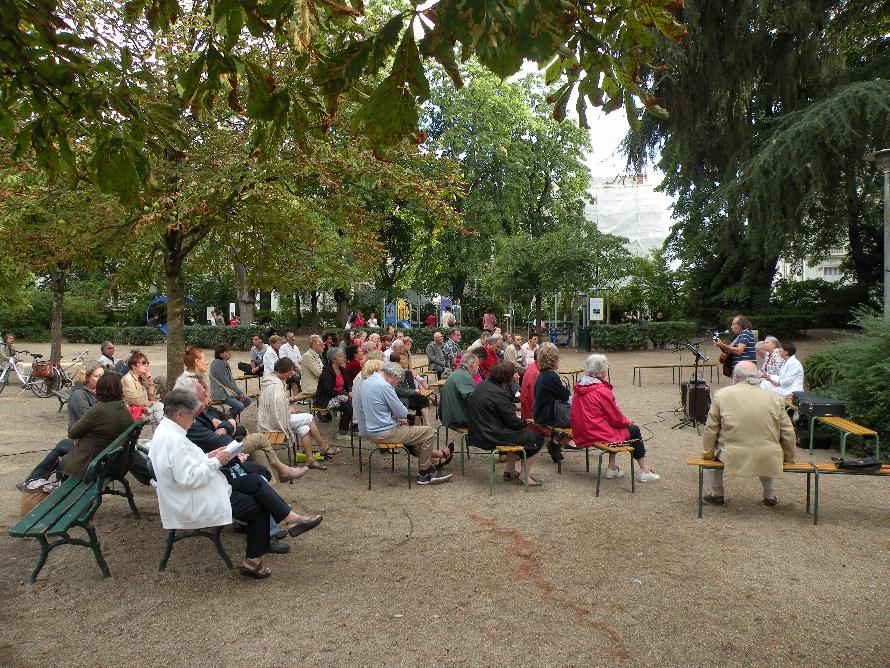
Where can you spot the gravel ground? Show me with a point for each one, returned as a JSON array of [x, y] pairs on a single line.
[[446, 575]]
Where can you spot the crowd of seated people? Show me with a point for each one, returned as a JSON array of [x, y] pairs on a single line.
[[369, 383]]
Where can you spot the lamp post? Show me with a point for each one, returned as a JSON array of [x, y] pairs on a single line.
[[882, 161]]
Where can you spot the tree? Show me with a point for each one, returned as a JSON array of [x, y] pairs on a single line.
[[789, 95], [57, 230], [55, 92]]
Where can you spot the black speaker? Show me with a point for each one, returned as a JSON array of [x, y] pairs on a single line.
[[695, 396]]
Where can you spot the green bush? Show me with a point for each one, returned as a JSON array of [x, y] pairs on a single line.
[[237, 337], [671, 332], [857, 370], [617, 337], [127, 336]]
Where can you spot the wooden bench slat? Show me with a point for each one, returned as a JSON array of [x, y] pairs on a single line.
[[71, 499], [847, 425], [275, 437], [22, 528], [796, 467], [832, 469], [74, 514]]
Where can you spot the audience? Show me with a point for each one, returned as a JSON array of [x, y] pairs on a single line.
[[271, 355], [386, 421], [596, 418], [82, 398], [98, 427], [452, 349], [513, 354], [790, 377], [311, 364], [552, 407], [193, 493], [139, 389], [334, 391], [397, 346], [355, 358], [373, 363], [456, 393], [493, 421], [528, 349], [254, 367], [222, 384], [106, 359], [275, 414], [410, 394]]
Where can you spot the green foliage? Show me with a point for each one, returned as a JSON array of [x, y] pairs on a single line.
[[127, 336], [672, 332], [857, 370], [617, 337], [35, 314]]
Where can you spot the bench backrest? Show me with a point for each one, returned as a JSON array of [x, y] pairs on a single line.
[[123, 446]]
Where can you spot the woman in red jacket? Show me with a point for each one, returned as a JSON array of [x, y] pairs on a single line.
[[596, 418]]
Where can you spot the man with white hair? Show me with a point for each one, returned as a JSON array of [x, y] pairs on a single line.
[[435, 355], [311, 365], [386, 421], [397, 346], [452, 348], [749, 431]]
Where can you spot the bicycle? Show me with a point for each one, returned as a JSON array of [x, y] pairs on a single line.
[[42, 386]]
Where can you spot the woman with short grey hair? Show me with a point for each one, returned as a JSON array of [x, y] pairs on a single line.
[[596, 418], [334, 390]]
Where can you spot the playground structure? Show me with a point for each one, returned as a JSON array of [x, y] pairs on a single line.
[[408, 312], [155, 321]]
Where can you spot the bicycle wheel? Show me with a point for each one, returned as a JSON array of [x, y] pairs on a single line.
[[4, 379], [42, 387]]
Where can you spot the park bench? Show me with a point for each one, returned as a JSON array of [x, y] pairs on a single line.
[[831, 469], [847, 428], [675, 369], [808, 468], [62, 395], [74, 503]]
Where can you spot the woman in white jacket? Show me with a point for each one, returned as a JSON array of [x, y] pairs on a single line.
[[194, 494], [790, 377], [274, 414]]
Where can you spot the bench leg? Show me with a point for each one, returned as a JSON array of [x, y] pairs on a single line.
[[816, 501], [494, 455], [701, 485], [633, 478], [130, 500], [370, 454], [168, 548], [812, 424], [408, 466], [877, 447], [97, 550], [525, 468], [41, 559], [359, 454], [843, 443], [587, 459], [217, 543], [808, 492], [599, 471]]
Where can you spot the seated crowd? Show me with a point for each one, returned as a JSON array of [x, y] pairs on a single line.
[[500, 391]]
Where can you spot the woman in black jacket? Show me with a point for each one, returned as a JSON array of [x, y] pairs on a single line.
[[493, 421], [334, 390], [552, 407]]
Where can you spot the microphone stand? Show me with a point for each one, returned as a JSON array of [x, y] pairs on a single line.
[[691, 418]]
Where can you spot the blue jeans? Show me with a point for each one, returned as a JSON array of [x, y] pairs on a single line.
[[237, 405], [50, 463]]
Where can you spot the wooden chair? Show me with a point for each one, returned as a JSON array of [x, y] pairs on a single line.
[[495, 456]]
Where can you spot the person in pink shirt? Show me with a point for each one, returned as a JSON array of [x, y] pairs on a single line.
[[489, 321]]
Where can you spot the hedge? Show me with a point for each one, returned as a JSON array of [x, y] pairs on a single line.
[[127, 336]]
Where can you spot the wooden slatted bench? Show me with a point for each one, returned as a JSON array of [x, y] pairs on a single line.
[[391, 448], [610, 449], [638, 371], [831, 469], [711, 366], [302, 397], [848, 428], [74, 503], [495, 456], [808, 468]]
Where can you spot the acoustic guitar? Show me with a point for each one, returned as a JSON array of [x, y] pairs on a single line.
[[725, 357]]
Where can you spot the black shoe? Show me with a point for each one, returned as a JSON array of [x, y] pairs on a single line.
[[714, 500], [555, 452], [432, 476], [278, 534], [279, 547], [770, 502], [324, 417], [303, 527]]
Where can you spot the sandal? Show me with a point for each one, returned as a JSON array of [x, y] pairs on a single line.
[[446, 460], [532, 482], [316, 465], [303, 526], [255, 570]]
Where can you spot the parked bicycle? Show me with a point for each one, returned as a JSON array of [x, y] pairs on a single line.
[[44, 378]]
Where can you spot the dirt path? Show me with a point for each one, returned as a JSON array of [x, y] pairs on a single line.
[[448, 576]]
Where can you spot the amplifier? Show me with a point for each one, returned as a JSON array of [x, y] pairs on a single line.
[[696, 399], [811, 405]]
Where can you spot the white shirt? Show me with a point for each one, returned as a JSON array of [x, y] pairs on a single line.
[[529, 353], [106, 362], [292, 352], [386, 354], [192, 492], [372, 322], [269, 359], [790, 378]]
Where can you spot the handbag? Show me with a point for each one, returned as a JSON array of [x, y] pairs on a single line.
[[562, 414], [866, 464]]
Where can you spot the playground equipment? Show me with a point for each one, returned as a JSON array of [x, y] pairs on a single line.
[[153, 320]]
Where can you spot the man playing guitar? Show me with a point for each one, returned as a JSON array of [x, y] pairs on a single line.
[[742, 347]]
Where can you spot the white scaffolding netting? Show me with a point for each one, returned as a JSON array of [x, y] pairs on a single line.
[[628, 207]]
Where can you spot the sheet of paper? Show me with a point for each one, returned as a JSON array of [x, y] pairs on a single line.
[[234, 448]]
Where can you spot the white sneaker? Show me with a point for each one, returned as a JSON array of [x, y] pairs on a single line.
[[614, 473], [651, 476]]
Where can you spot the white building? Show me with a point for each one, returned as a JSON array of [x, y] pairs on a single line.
[[828, 269]]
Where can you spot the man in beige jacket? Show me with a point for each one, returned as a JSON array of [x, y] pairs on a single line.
[[749, 431]]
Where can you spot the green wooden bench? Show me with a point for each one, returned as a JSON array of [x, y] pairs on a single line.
[[74, 503]]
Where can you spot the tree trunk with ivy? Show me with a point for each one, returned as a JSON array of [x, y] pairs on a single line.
[[246, 296], [59, 281], [173, 259], [342, 298]]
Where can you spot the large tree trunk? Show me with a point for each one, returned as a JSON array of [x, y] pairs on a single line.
[[342, 298], [58, 280], [313, 309], [246, 296], [173, 275]]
